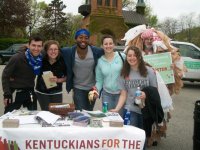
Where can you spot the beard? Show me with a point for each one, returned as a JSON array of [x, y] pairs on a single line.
[[148, 46]]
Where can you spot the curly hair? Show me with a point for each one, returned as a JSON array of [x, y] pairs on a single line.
[[47, 45]]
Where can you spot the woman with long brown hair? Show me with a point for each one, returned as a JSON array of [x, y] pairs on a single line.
[[134, 74]]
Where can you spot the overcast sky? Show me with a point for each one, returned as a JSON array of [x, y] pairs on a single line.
[[161, 8]]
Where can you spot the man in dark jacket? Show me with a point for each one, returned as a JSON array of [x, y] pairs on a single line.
[[19, 76], [81, 60]]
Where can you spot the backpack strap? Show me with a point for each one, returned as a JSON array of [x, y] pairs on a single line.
[[121, 56]]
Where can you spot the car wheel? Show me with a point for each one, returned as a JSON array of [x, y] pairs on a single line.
[[1, 60]]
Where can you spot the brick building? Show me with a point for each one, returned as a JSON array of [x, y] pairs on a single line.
[[107, 17]]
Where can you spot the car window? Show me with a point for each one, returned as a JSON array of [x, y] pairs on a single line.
[[119, 48], [17, 47], [188, 51], [195, 53], [184, 50]]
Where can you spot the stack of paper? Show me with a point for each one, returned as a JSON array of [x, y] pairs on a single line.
[[48, 117], [114, 119]]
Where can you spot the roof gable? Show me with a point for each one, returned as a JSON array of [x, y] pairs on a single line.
[[132, 17]]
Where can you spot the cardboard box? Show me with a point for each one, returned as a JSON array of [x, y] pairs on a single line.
[[10, 123]]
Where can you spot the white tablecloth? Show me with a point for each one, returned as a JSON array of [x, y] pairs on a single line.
[[35, 137]]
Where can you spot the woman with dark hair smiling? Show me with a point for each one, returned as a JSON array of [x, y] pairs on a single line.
[[134, 74], [108, 71]]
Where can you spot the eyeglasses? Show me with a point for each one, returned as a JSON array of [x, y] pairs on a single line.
[[52, 49]]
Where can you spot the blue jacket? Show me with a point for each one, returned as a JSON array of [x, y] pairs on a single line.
[[69, 58]]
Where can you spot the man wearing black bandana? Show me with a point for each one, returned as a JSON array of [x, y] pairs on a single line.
[[81, 60], [19, 76]]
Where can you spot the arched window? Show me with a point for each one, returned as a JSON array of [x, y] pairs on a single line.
[[107, 2], [114, 3], [99, 2]]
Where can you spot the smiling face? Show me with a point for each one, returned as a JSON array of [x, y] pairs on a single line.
[[108, 45], [35, 47], [132, 59], [82, 41], [53, 51]]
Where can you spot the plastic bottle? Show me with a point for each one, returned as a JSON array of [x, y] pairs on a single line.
[[127, 117], [137, 94]]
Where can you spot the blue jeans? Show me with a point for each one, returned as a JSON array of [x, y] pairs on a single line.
[[135, 119], [112, 100], [81, 100]]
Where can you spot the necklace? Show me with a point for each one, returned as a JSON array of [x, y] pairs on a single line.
[[82, 54], [51, 61], [110, 56]]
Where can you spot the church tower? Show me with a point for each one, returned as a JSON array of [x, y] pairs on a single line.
[[140, 7], [103, 17]]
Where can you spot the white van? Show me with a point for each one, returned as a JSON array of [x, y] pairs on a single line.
[[191, 57]]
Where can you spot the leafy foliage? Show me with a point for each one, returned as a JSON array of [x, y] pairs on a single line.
[[151, 19], [185, 28], [6, 42], [35, 15], [128, 4], [13, 14], [55, 22]]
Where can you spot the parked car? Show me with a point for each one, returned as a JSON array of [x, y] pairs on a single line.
[[191, 56], [9, 52], [119, 48]]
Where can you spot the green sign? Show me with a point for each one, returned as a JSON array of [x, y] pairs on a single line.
[[162, 63], [192, 65]]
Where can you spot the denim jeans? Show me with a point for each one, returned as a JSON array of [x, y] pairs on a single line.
[[81, 100], [135, 119], [112, 100]]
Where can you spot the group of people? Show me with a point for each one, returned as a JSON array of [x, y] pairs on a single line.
[[75, 66], [113, 75]]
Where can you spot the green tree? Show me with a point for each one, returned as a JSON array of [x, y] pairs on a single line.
[[36, 15], [13, 15], [152, 20], [169, 26], [55, 21], [73, 24], [129, 4]]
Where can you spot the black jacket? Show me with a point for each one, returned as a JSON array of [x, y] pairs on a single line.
[[20, 72], [58, 69], [152, 112], [153, 108]]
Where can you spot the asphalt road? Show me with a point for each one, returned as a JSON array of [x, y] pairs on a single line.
[[180, 127]]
